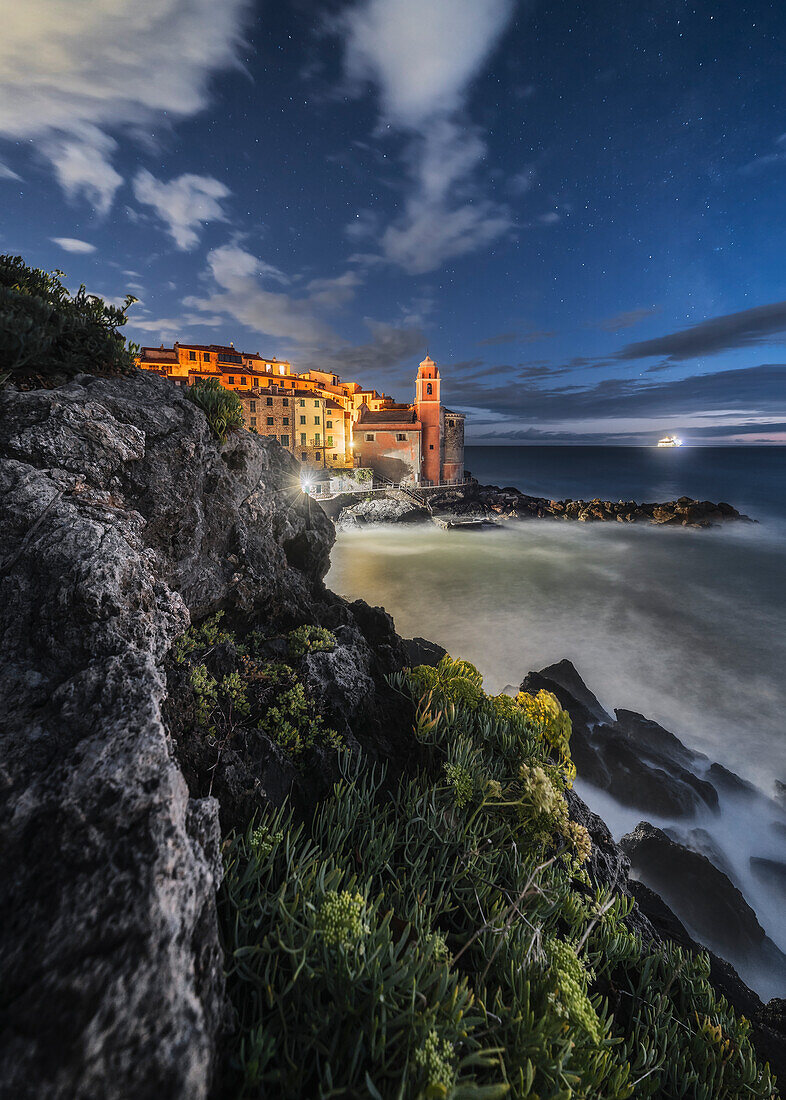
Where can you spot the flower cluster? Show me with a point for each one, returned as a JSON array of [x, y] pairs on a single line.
[[263, 841], [570, 998], [340, 919], [460, 779], [436, 1057], [546, 716]]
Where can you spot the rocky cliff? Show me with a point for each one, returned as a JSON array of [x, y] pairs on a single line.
[[121, 519]]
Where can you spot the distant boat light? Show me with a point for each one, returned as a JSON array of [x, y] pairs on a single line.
[[670, 441]]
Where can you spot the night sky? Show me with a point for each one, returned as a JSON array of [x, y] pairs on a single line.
[[578, 209]]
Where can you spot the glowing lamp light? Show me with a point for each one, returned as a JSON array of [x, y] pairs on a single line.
[[305, 485]]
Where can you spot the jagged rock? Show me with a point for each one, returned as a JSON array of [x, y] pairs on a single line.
[[422, 652], [701, 841], [701, 895], [120, 518], [729, 780], [770, 871], [564, 681], [381, 510], [637, 761]]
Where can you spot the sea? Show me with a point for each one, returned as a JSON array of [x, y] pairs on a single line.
[[685, 626]]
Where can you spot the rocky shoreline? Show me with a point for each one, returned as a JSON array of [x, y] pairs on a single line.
[[490, 505], [123, 521]]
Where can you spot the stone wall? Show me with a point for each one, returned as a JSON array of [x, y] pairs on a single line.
[[453, 461]]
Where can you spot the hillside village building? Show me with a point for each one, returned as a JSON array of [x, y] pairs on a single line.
[[325, 422]]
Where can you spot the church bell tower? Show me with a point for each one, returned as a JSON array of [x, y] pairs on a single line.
[[428, 410]]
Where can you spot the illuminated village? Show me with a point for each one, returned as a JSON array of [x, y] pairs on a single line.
[[327, 424]]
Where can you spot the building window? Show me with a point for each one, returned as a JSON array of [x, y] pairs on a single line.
[[254, 421], [285, 421], [317, 442], [369, 437], [302, 419], [206, 356], [328, 423], [192, 356], [243, 381], [285, 401], [270, 420], [302, 402], [231, 379], [316, 404], [334, 457], [284, 440], [329, 441], [302, 439], [316, 419], [280, 370], [303, 457], [401, 438], [269, 401], [431, 446], [428, 388], [253, 406]]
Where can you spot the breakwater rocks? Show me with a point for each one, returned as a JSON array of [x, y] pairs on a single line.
[[489, 503]]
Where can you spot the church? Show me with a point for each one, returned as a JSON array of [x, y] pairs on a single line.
[[421, 444]]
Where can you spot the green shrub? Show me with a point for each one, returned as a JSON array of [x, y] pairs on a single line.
[[46, 333], [439, 937], [223, 408], [310, 639]]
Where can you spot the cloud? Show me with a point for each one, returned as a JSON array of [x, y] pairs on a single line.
[[421, 59], [738, 393], [7, 174], [551, 218], [336, 292], [389, 347], [500, 338], [72, 74], [421, 56], [182, 204], [732, 330], [626, 319], [71, 244], [241, 291]]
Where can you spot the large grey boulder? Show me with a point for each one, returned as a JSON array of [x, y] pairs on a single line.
[[119, 517]]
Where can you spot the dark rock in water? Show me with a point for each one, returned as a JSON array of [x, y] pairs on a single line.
[[770, 871], [564, 681], [637, 761], [729, 781], [701, 895], [421, 652], [701, 841], [649, 736], [381, 509]]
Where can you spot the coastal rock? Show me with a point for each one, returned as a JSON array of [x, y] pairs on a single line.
[[702, 896], [772, 872], [120, 520], [422, 652], [637, 761], [381, 509]]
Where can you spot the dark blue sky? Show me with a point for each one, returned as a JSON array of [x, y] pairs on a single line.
[[578, 208]]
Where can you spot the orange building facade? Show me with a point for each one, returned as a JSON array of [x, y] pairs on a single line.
[[325, 422]]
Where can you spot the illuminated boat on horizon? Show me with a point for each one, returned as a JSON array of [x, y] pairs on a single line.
[[670, 441]]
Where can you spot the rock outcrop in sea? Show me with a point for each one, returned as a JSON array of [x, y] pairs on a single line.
[[121, 522]]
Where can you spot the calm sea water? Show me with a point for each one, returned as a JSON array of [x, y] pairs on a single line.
[[687, 627]]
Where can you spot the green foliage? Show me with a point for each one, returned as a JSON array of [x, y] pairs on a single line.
[[310, 639], [223, 408], [257, 693], [441, 939], [363, 474], [47, 332], [293, 723]]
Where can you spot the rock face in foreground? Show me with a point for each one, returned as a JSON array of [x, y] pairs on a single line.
[[120, 517]]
